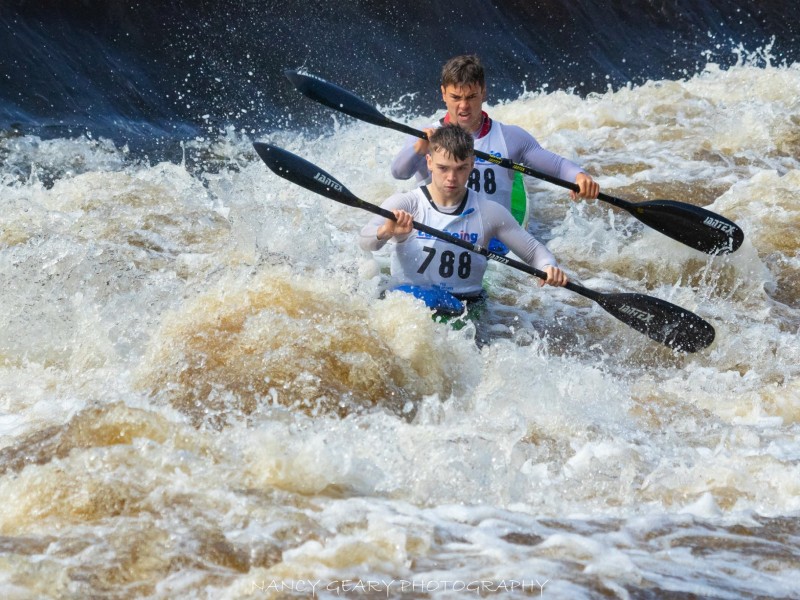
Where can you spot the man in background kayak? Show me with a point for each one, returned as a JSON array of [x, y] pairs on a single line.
[[464, 91], [448, 205]]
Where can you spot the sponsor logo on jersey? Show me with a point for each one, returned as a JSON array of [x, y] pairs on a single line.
[[466, 236]]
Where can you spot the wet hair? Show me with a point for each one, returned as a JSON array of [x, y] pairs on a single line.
[[453, 140], [462, 71]]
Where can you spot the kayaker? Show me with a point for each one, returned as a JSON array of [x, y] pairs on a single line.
[[463, 89], [448, 205]]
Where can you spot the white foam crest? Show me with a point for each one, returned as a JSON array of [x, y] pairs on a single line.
[[30, 158]]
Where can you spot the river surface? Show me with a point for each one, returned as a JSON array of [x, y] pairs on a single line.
[[202, 396]]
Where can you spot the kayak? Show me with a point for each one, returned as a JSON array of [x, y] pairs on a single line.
[[520, 208], [440, 301], [445, 306]]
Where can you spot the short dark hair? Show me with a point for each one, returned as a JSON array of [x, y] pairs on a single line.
[[454, 140], [463, 70]]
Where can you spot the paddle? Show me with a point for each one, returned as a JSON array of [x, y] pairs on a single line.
[[691, 225], [663, 322]]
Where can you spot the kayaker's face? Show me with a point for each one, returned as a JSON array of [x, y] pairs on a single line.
[[464, 104], [449, 176]]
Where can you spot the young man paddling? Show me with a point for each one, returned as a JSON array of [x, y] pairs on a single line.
[[448, 205], [463, 91]]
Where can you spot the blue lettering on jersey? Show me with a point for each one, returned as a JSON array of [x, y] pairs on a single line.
[[461, 235]]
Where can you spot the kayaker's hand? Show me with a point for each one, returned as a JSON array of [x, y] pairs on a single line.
[[555, 277], [401, 228], [421, 146], [589, 188]]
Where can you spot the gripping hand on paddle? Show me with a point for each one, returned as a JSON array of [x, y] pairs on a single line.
[[589, 188], [400, 228], [555, 277], [421, 145]]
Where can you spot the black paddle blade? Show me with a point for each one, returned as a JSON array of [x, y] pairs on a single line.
[[691, 225], [334, 97], [303, 173], [660, 320]]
